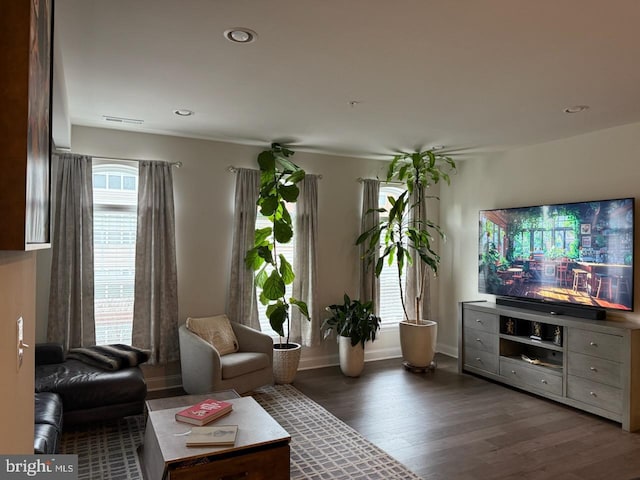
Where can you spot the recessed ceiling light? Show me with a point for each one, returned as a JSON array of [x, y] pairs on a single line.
[[576, 109], [183, 112], [240, 35]]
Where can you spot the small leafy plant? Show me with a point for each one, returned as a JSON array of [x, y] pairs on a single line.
[[278, 180], [352, 319]]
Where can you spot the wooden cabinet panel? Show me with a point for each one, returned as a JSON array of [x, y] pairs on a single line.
[[481, 321], [596, 394], [480, 359], [535, 377], [269, 464], [596, 344], [481, 340], [595, 369], [25, 123]]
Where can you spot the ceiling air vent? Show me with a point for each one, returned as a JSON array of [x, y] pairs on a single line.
[[131, 121]]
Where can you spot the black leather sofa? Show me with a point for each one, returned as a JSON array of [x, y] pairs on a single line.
[[86, 393], [48, 423]]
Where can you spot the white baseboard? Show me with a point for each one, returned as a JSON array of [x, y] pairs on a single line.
[[318, 361], [370, 355], [447, 350], [382, 353]]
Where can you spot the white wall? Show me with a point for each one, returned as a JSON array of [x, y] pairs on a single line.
[[594, 166], [204, 214]]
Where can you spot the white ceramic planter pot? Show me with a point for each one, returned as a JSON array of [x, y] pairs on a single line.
[[351, 357], [418, 342], [285, 363]]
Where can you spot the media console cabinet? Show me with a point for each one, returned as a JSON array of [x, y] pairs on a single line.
[[593, 365]]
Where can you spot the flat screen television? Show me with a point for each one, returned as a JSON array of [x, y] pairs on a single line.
[[578, 254]]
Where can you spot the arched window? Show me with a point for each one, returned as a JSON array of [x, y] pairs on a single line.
[[115, 204]]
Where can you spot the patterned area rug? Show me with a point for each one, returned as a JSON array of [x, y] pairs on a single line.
[[322, 446], [106, 450]]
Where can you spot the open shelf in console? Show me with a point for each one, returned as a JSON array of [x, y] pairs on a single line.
[[548, 335], [535, 344], [530, 341], [546, 356]]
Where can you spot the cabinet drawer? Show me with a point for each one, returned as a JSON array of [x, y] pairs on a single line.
[[480, 321], [600, 345], [594, 369], [523, 374], [480, 340], [596, 394], [480, 359], [271, 464]]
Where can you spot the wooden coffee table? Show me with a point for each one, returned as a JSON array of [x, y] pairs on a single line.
[[261, 450]]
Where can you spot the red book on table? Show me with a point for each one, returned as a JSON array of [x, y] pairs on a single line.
[[204, 412]]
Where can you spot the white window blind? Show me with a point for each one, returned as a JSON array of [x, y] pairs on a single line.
[[115, 199], [287, 250], [390, 308]]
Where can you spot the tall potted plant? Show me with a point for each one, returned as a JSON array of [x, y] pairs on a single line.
[[355, 324], [405, 237], [278, 180]]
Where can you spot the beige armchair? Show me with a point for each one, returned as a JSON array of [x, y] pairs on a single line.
[[204, 370]]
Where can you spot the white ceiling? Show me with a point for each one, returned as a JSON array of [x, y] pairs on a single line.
[[472, 75]]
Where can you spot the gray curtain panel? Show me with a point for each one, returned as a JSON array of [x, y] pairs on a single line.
[[242, 307], [71, 313], [418, 272], [305, 263], [155, 308], [369, 283]]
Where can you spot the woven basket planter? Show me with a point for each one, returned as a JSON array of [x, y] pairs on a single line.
[[285, 363]]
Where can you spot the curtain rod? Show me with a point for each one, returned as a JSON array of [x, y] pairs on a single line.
[[361, 179], [233, 169], [59, 152]]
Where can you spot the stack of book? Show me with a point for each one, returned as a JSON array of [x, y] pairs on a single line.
[[203, 413]]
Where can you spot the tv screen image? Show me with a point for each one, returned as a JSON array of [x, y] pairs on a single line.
[[571, 253]]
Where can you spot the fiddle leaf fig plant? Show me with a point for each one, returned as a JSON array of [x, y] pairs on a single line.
[[406, 235], [278, 180]]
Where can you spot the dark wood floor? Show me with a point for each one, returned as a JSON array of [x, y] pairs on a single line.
[[447, 426]]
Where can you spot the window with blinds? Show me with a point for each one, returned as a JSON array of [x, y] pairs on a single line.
[[390, 309], [115, 203], [288, 251]]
